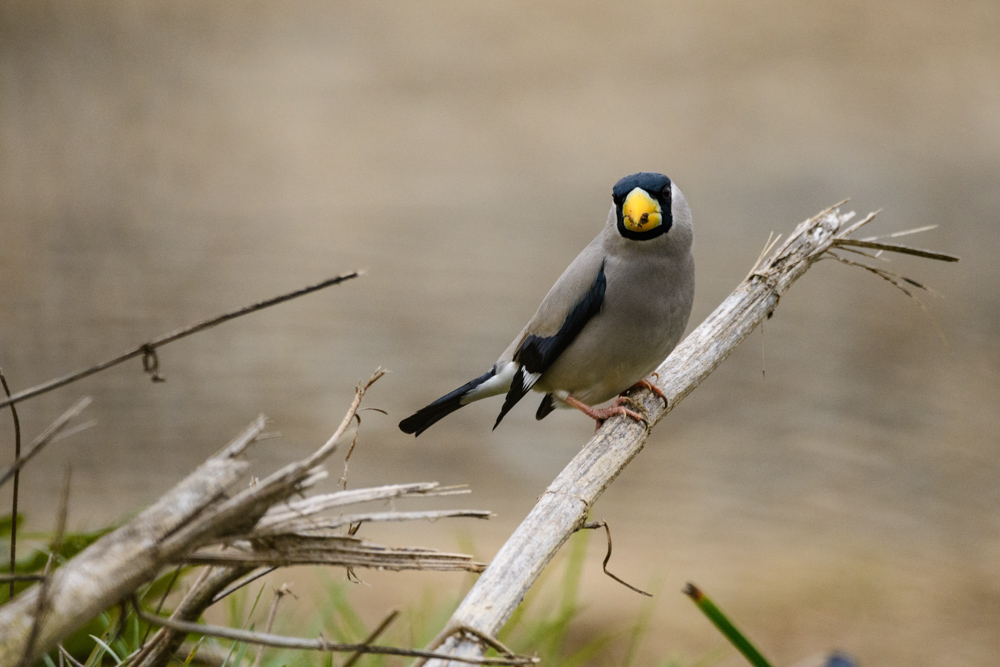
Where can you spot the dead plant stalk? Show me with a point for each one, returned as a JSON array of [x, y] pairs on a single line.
[[564, 506]]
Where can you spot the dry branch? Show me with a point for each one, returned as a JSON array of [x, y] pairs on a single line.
[[15, 490], [189, 523], [42, 599], [272, 613], [113, 567], [44, 438], [335, 549], [321, 525], [564, 506], [147, 351], [373, 636], [300, 509], [280, 641], [892, 247]]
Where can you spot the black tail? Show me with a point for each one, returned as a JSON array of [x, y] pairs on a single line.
[[424, 418]]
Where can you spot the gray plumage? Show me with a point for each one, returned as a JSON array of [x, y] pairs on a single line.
[[612, 317]]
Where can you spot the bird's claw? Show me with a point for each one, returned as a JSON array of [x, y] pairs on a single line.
[[638, 413], [601, 415], [646, 384]]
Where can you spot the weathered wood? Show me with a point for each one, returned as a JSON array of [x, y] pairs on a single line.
[[190, 522], [113, 567], [563, 507], [330, 549]]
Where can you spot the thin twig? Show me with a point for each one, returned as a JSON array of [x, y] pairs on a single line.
[[63, 653], [165, 642], [772, 241], [607, 529], [487, 639], [70, 432], [148, 350], [847, 231], [36, 625], [350, 450], [902, 249], [253, 576], [341, 550], [300, 509], [858, 251], [20, 577], [17, 481], [905, 232], [375, 634], [359, 393], [896, 281], [281, 641], [308, 524], [143, 647], [169, 587], [452, 629], [272, 613], [166, 592], [43, 439]]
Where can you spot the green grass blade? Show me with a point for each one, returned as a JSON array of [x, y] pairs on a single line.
[[587, 654], [353, 628], [239, 649], [194, 651], [96, 656], [726, 627], [255, 603], [232, 650], [107, 649], [136, 632], [241, 654]]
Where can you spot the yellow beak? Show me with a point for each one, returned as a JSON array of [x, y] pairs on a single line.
[[640, 212]]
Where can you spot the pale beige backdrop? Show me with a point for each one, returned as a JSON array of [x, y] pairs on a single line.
[[164, 161]]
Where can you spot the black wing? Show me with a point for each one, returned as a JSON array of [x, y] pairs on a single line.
[[536, 354]]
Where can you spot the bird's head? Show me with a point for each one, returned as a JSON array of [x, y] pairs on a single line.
[[644, 205]]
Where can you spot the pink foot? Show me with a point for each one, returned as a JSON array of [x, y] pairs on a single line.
[[646, 384], [600, 415]]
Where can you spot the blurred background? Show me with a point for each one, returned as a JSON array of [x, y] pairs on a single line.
[[163, 162]]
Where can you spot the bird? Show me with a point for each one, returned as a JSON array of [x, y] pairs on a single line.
[[610, 319]]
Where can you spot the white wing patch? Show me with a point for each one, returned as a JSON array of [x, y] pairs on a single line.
[[528, 380]]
